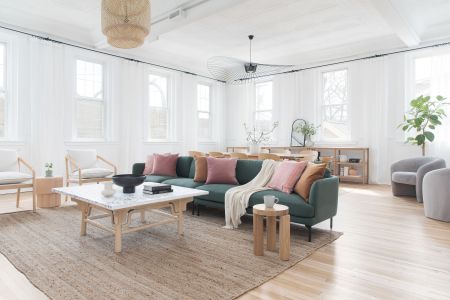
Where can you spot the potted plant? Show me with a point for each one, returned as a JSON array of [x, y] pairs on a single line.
[[48, 169], [256, 137], [424, 116], [308, 129]]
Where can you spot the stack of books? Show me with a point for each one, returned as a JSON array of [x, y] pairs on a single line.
[[153, 188]]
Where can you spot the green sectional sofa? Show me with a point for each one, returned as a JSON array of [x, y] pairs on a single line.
[[322, 203]]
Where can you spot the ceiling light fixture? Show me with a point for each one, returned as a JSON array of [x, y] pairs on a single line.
[[126, 23], [236, 71]]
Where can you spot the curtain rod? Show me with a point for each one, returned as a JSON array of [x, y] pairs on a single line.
[[353, 60], [106, 53]]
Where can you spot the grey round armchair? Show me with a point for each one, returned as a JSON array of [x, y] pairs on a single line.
[[436, 195], [407, 175]]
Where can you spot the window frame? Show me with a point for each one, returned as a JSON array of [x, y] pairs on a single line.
[[255, 103], [321, 105], [169, 108], [104, 100], [210, 112]]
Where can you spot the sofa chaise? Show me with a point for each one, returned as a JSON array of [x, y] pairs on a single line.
[[322, 203]]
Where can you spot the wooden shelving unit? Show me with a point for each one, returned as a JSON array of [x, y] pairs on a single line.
[[333, 153]]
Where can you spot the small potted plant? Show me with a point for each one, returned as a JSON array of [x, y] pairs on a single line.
[[255, 137], [48, 169], [308, 129]]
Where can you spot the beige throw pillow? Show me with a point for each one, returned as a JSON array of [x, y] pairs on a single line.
[[201, 169], [312, 173]]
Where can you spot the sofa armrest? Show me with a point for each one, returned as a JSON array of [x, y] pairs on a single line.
[[138, 168], [324, 198]]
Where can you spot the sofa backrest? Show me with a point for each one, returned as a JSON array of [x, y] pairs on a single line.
[[246, 170], [184, 166]]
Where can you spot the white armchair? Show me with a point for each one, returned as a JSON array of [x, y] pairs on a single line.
[[82, 167], [12, 177]]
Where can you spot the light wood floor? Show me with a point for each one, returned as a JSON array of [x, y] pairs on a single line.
[[389, 250]]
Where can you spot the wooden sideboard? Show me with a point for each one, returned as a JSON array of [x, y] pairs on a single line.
[[332, 155]]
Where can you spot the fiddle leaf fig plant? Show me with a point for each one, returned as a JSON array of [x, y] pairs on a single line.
[[423, 117]]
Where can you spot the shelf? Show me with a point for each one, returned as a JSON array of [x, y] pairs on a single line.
[[351, 164], [351, 177]]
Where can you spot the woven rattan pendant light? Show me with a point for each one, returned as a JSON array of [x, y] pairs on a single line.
[[126, 23]]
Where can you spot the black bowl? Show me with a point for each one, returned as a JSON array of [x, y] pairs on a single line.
[[128, 182]]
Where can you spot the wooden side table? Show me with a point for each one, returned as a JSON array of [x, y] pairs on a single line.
[[259, 212], [45, 196]]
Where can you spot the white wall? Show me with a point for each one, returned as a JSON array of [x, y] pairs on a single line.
[[42, 87], [377, 94]]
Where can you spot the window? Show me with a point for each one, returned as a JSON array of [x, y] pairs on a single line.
[[422, 72], [90, 102], [2, 90], [263, 111], [335, 124], [204, 111], [158, 107]]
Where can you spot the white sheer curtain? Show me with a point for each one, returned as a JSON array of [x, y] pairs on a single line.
[[440, 85]]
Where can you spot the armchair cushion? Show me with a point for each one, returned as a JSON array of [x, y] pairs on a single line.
[[14, 177], [405, 177], [85, 159], [93, 173], [8, 160]]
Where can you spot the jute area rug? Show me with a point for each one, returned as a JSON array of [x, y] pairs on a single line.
[[209, 262]]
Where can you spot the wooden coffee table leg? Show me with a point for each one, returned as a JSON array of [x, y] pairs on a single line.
[[258, 235], [285, 237], [271, 233], [118, 221], [85, 213]]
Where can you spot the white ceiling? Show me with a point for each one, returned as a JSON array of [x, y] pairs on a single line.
[[286, 31]]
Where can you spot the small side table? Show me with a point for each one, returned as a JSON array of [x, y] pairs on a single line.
[[45, 197], [259, 212]]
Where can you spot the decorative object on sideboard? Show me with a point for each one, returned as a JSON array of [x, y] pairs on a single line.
[[354, 160], [128, 182], [237, 71], [126, 23], [255, 137], [352, 172], [424, 116], [48, 169], [343, 158], [308, 130]]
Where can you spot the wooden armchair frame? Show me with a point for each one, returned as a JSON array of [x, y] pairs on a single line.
[[263, 156], [71, 165], [19, 186]]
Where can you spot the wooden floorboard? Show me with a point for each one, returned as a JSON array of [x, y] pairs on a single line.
[[389, 250]]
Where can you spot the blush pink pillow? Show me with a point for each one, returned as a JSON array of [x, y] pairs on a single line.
[[221, 170], [148, 165], [286, 175], [165, 164]]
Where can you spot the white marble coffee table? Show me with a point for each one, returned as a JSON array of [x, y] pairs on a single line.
[[120, 207]]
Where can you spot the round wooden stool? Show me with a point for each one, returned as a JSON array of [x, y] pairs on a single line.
[[259, 212]]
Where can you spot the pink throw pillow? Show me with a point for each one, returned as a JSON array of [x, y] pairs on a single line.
[[148, 165], [221, 170], [286, 175], [165, 164]]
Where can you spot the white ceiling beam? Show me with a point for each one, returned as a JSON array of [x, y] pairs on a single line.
[[397, 22], [165, 24]]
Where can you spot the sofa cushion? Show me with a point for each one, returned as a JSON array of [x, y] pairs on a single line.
[[286, 175], [312, 173], [93, 173], [157, 178], [165, 164], [216, 191], [405, 177], [184, 182], [148, 165], [221, 171], [84, 158], [201, 169], [184, 166], [297, 205], [14, 177], [247, 169]]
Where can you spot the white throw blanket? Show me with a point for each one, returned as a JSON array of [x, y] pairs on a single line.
[[236, 199]]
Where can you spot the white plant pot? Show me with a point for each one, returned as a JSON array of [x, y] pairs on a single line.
[[254, 149]]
